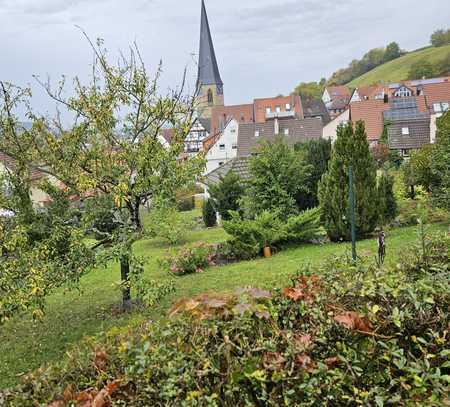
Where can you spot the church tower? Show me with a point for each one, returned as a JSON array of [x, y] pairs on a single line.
[[209, 83]]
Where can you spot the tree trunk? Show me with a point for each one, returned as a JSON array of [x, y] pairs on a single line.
[[125, 275], [136, 215]]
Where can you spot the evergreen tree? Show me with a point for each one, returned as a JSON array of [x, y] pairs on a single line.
[[440, 164], [316, 153], [226, 194], [209, 214], [350, 148], [387, 205]]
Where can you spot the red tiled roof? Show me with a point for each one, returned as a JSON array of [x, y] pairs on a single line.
[[338, 91], [220, 116], [35, 174], [371, 112], [437, 92], [167, 134], [263, 103]]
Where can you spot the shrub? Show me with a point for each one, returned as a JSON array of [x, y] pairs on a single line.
[[268, 230], [186, 203], [279, 180], [209, 214], [190, 259], [344, 334], [226, 194]]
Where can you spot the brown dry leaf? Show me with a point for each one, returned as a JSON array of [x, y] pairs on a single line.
[[215, 302], [85, 398], [57, 403], [305, 362], [101, 399], [303, 341], [112, 387], [100, 359], [273, 361], [68, 393], [331, 362], [353, 321], [295, 294], [257, 293]]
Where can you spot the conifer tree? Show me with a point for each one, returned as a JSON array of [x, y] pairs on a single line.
[[350, 148], [387, 205]]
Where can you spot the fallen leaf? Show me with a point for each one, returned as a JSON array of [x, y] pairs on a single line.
[[305, 362], [303, 341], [100, 359], [113, 386], [331, 362], [257, 293], [295, 294], [101, 399], [353, 321], [273, 361]]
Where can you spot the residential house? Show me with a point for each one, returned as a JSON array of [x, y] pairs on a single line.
[[222, 147], [291, 130], [330, 129], [409, 124], [336, 99], [38, 197], [315, 108]]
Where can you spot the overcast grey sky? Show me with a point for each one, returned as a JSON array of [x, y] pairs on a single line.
[[264, 47]]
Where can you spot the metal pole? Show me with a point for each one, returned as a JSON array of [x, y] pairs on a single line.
[[352, 211]]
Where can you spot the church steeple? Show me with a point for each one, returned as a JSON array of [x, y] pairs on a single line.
[[209, 82]]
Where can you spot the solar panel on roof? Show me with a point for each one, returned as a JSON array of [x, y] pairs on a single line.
[[404, 103], [427, 81]]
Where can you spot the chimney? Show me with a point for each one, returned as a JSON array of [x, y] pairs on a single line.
[[276, 126]]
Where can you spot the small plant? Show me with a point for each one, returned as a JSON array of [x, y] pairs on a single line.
[[168, 224], [188, 260]]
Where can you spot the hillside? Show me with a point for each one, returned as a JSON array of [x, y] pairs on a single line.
[[398, 69]]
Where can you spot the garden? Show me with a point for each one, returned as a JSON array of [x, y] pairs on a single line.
[[132, 297]]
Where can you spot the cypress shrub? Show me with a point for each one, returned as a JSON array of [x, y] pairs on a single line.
[[209, 214]]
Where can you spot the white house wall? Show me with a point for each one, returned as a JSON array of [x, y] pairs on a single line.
[[329, 131], [224, 149]]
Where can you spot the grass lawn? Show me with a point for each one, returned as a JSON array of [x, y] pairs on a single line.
[[398, 69], [25, 345]]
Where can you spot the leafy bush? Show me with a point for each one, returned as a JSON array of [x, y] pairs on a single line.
[[226, 194], [167, 223], [186, 203], [209, 214], [268, 230], [190, 259], [343, 334], [279, 180]]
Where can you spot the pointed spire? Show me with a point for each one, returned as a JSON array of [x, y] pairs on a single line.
[[208, 71]]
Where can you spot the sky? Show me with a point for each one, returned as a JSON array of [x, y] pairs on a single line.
[[264, 47]]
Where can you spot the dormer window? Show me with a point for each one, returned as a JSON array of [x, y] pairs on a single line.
[[278, 109], [256, 133], [403, 92], [288, 107], [222, 147], [268, 110]]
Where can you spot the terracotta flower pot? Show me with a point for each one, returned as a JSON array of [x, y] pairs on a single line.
[[267, 252]]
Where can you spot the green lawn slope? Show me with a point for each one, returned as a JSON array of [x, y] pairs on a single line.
[[70, 316], [398, 69]]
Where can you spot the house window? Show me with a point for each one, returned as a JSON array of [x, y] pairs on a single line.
[[405, 153], [233, 131], [437, 107], [288, 107], [286, 132], [221, 163], [234, 146], [444, 106], [405, 131], [268, 110], [278, 109], [403, 92], [222, 147], [256, 133]]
